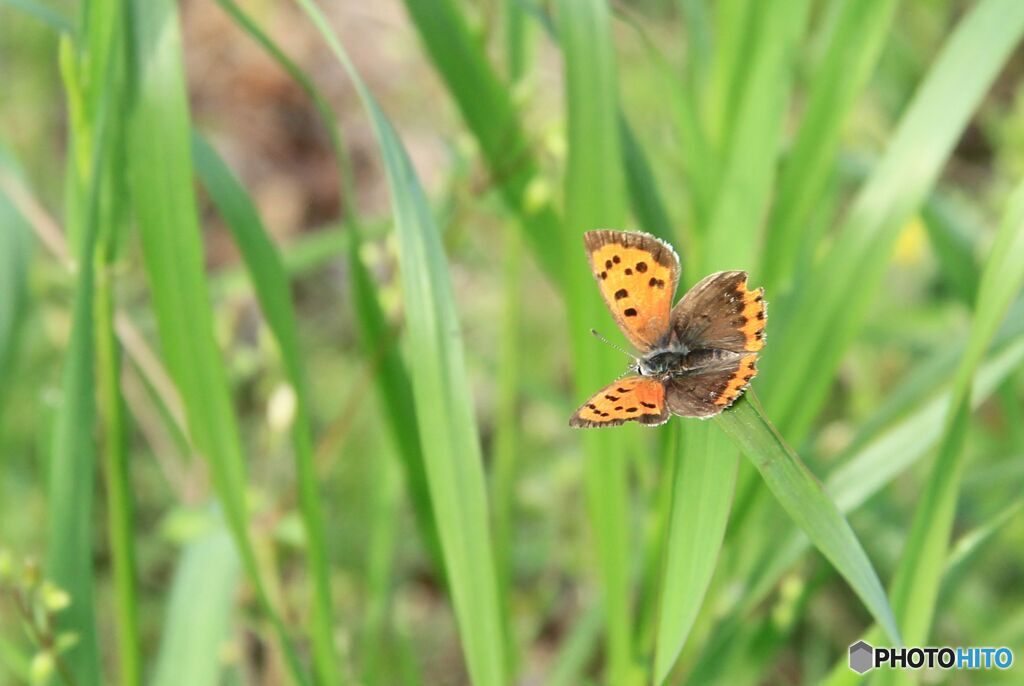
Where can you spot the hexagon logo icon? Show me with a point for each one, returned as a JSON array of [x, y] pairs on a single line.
[[861, 657]]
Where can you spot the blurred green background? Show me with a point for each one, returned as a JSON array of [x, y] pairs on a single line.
[[294, 311]]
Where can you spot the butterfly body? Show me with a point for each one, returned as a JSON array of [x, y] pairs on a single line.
[[696, 358], [669, 363]]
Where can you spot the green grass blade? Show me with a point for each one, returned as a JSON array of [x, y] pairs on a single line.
[[916, 585], [732, 27], [273, 291], [699, 41], [199, 611], [829, 306], [868, 466], [850, 57], [595, 197], [15, 253], [380, 565], [508, 429], [644, 196], [120, 494], [751, 144], [807, 503], [969, 545], [961, 556], [441, 391], [165, 207], [72, 469], [486, 105], [104, 29], [14, 661], [871, 464], [518, 40], [378, 341], [951, 238], [577, 649], [704, 480]]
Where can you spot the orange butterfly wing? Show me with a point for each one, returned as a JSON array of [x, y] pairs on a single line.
[[632, 398], [637, 274]]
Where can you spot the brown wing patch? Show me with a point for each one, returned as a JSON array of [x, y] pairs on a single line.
[[720, 312], [706, 393], [637, 274], [633, 398]]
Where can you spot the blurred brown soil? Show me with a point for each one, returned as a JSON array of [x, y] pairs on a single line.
[[267, 129]]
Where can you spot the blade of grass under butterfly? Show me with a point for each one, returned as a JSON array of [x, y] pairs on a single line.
[[595, 196], [873, 464], [165, 207], [487, 107], [863, 473], [850, 57], [199, 611], [273, 291], [757, 642], [962, 554], [441, 391], [750, 146], [807, 503], [916, 584], [829, 305], [761, 639], [924, 380], [704, 479]]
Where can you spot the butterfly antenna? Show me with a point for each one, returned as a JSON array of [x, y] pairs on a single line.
[[613, 346]]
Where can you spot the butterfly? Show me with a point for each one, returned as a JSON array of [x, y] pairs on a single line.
[[696, 358]]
